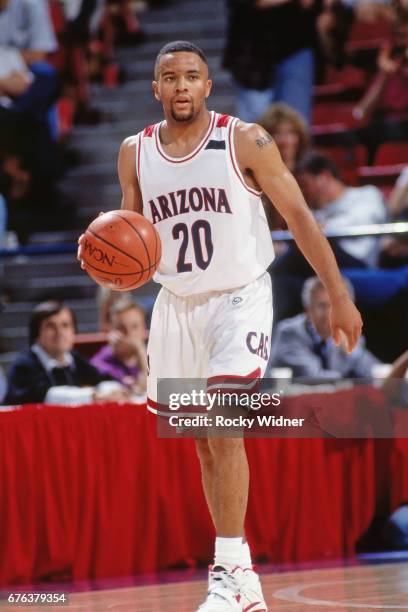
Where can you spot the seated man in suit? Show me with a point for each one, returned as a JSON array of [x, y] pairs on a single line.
[[304, 344], [50, 371]]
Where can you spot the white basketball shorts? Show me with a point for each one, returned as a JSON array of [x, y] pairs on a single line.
[[210, 335]]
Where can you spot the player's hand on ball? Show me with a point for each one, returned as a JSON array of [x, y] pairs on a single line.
[[346, 324], [81, 240], [80, 248], [120, 250]]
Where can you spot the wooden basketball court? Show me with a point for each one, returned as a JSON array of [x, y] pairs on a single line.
[[366, 587]]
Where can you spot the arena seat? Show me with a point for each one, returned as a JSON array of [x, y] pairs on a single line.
[[368, 34], [334, 112], [391, 153], [345, 84], [381, 176]]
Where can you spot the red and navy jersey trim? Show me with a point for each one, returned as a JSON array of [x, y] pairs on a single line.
[[148, 131], [223, 121], [235, 384], [181, 160]]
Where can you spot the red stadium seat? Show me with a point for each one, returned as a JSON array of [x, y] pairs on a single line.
[[381, 176], [369, 33], [391, 153], [340, 84], [334, 112], [320, 133]]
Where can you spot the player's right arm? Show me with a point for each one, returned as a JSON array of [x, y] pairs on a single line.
[[131, 195]]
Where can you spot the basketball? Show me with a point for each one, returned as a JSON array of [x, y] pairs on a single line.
[[121, 250]]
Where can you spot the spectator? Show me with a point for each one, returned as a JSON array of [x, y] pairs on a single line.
[[50, 370], [333, 26], [25, 28], [106, 298], [304, 344], [394, 249], [383, 110], [125, 22], [395, 385], [336, 206], [29, 87], [270, 53], [82, 20], [398, 200], [291, 135], [289, 131], [124, 358]]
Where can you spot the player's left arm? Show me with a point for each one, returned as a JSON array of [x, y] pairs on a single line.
[[258, 157]]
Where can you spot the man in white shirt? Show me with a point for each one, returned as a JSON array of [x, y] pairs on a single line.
[[27, 33], [26, 25], [335, 206]]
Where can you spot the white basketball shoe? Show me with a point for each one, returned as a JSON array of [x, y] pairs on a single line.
[[223, 590], [252, 598]]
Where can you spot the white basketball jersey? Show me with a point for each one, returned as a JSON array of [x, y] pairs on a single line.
[[212, 226]]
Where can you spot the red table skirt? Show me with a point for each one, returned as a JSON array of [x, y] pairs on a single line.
[[91, 492]]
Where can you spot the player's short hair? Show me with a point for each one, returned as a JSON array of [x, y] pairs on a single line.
[[178, 46], [315, 163], [123, 305], [313, 284], [44, 311], [282, 113]]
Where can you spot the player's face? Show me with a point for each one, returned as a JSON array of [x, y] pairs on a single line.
[[319, 312], [182, 85], [57, 334]]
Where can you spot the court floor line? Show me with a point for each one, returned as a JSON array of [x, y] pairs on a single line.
[[292, 594]]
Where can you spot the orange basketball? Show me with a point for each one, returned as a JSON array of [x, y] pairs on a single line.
[[121, 250]]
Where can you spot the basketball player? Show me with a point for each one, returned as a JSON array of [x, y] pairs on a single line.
[[198, 177]]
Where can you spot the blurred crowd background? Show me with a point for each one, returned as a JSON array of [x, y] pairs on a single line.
[[327, 78]]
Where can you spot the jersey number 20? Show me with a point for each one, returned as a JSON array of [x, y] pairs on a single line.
[[199, 230]]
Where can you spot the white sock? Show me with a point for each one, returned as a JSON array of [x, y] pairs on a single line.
[[245, 557], [228, 551]]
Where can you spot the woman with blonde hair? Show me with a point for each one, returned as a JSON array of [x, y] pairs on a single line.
[[289, 131]]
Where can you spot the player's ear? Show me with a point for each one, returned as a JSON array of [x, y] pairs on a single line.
[[155, 88], [208, 87]]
